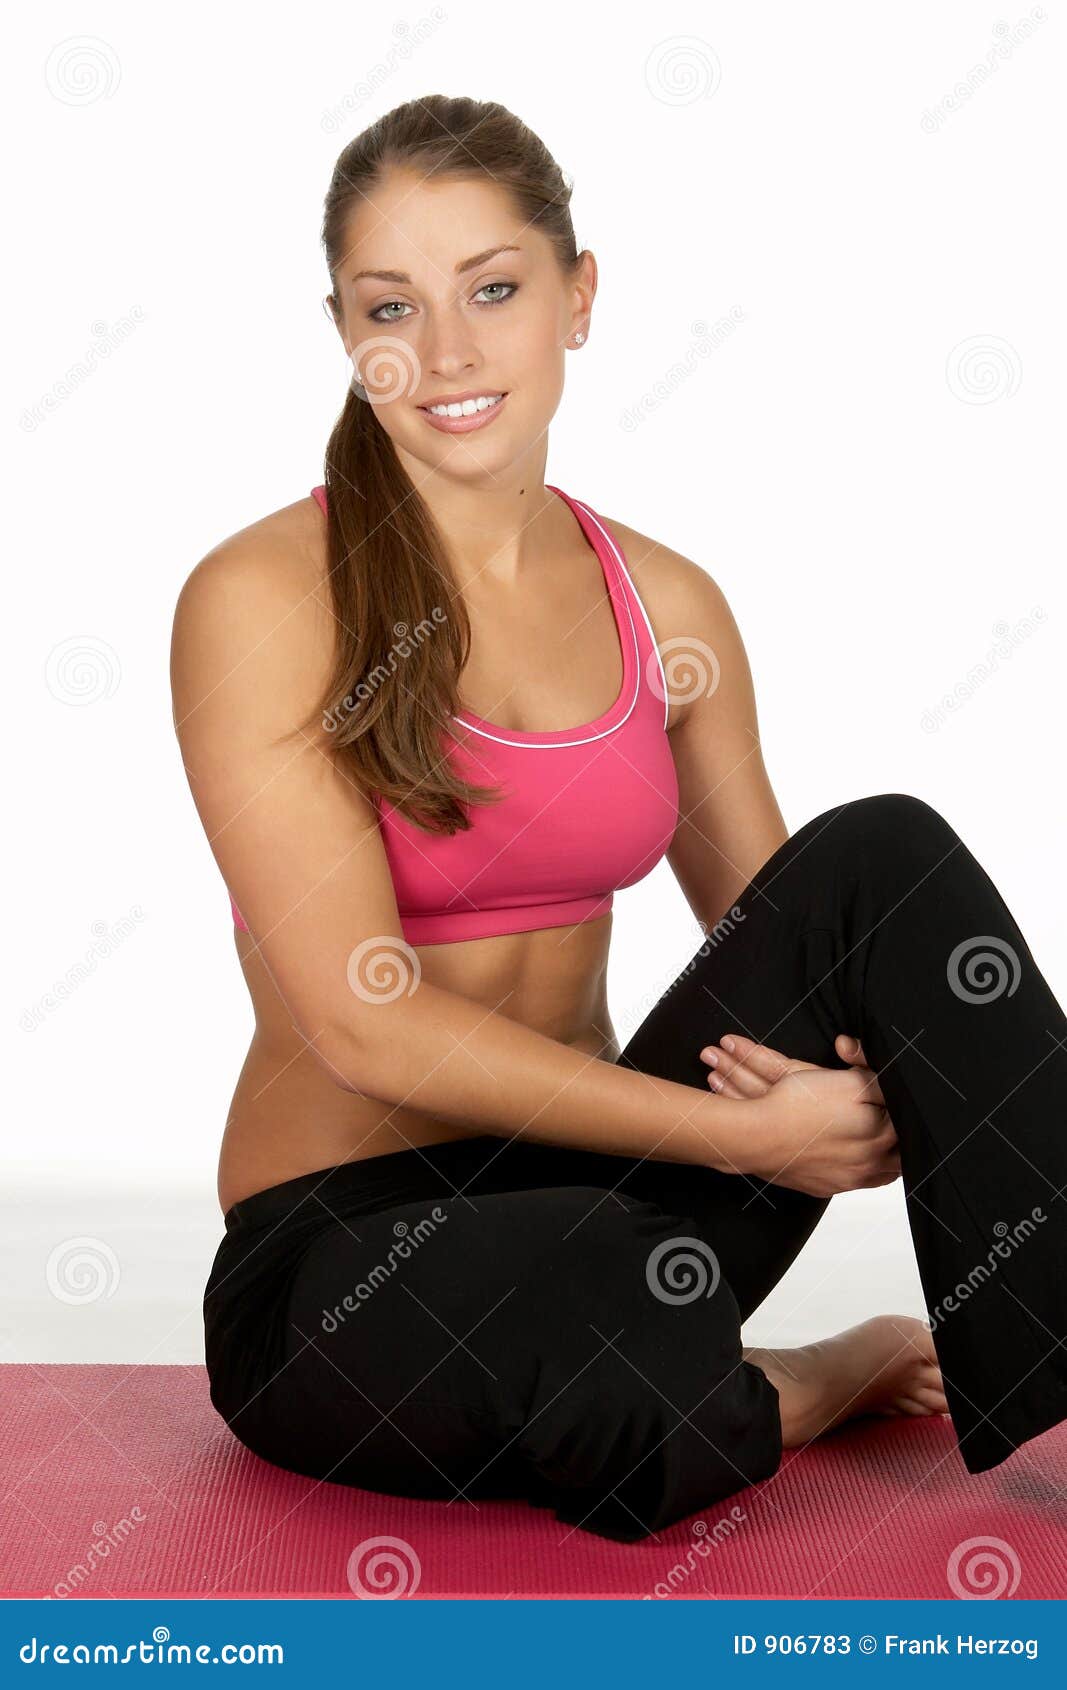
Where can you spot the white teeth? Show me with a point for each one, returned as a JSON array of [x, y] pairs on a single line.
[[484, 402]]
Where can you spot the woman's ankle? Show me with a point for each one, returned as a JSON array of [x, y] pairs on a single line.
[[793, 1382]]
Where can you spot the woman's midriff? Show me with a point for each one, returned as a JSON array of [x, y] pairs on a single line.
[[287, 1117]]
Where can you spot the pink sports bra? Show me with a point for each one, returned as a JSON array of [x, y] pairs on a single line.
[[587, 811]]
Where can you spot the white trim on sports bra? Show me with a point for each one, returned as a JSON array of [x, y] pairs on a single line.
[[640, 604], [524, 742]]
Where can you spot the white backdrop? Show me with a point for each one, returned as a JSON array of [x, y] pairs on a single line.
[[826, 362]]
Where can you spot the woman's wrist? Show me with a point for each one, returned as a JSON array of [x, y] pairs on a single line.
[[730, 1130]]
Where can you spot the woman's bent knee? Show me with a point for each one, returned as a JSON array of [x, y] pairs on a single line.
[[891, 831]]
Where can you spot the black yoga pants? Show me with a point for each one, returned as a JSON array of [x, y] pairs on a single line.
[[497, 1317]]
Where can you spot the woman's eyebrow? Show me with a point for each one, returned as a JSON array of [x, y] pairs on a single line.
[[403, 280]]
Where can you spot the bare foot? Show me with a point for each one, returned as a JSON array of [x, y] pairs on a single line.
[[886, 1366]]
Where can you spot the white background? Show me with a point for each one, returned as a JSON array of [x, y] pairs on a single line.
[[874, 498]]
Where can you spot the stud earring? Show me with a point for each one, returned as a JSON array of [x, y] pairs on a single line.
[[579, 337]]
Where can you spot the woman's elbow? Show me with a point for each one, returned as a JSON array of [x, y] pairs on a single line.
[[360, 1056]]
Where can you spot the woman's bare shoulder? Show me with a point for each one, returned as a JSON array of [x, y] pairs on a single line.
[[283, 550], [678, 593], [255, 611]]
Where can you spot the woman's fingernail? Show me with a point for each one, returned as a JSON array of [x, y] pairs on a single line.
[[715, 1082], [711, 1057], [727, 1044]]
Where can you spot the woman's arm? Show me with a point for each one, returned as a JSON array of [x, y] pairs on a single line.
[[300, 850], [729, 820], [443, 1053]]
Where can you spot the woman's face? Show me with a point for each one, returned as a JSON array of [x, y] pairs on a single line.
[[432, 326]]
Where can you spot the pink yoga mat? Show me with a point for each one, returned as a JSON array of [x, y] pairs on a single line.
[[123, 1481]]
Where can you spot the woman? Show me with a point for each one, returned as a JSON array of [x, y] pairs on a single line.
[[472, 1248]]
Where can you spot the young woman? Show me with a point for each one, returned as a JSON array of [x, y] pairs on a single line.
[[472, 1248]]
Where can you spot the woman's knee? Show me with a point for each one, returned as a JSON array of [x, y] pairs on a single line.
[[893, 830], [897, 813]]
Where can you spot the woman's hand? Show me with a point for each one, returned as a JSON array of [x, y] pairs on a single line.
[[743, 1069], [802, 1140], [820, 1130]]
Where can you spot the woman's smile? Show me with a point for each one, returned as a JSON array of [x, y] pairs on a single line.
[[464, 423]]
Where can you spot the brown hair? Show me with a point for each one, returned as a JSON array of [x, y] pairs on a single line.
[[390, 579]]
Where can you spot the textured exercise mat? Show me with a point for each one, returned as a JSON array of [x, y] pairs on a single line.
[[123, 1481]]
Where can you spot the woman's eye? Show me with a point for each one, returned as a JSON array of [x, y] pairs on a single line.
[[398, 305], [511, 286]]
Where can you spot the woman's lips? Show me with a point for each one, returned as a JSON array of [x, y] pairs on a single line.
[[464, 425]]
